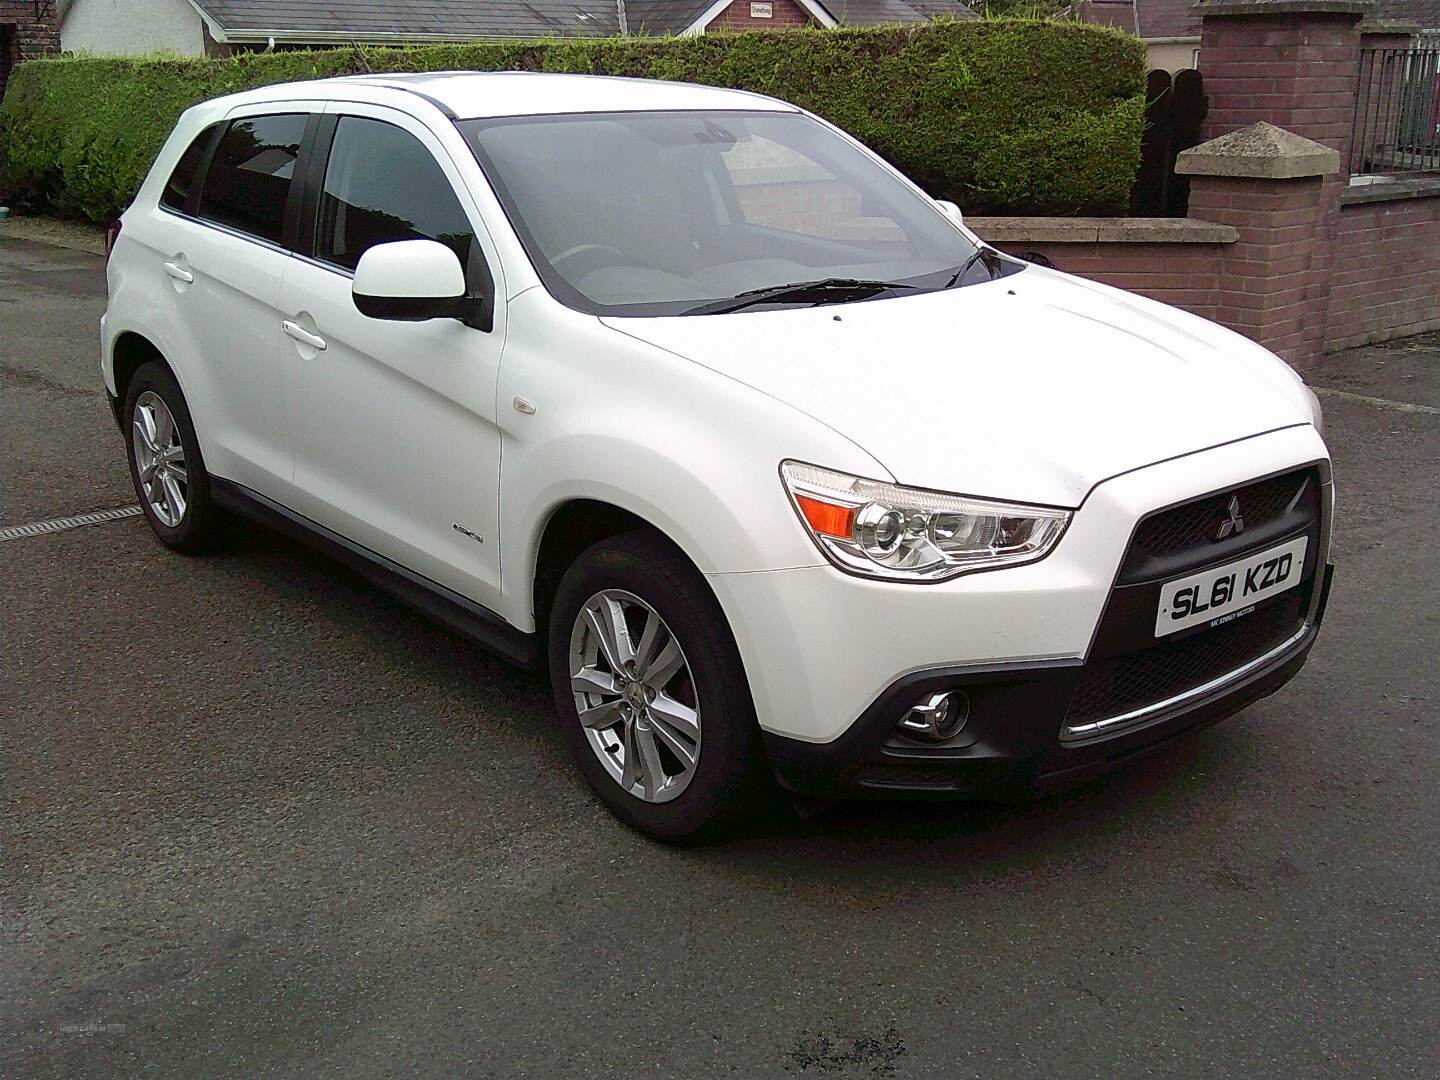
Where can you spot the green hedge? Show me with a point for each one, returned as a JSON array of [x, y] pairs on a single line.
[[1009, 116]]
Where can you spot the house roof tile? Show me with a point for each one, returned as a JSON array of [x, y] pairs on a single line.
[[875, 12], [422, 18], [1167, 18], [518, 18]]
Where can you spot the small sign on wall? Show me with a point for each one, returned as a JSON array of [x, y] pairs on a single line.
[[762, 11]]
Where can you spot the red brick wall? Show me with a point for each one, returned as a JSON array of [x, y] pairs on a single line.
[[786, 13], [1385, 282], [1297, 72], [27, 37], [36, 37], [1300, 71], [1276, 275], [1186, 275]]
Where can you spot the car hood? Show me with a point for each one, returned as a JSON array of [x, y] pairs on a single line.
[[1033, 388]]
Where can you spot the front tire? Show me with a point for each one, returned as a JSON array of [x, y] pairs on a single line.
[[166, 467], [652, 696]]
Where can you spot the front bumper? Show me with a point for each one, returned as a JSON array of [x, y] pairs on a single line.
[[116, 407], [1012, 746], [824, 651]]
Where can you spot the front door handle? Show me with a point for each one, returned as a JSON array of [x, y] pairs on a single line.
[[179, 273], [305, 337]]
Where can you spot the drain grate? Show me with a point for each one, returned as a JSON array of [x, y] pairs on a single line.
[[41, 528]]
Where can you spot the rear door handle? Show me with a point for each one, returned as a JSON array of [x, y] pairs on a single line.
[[179, 273], [300, 334]]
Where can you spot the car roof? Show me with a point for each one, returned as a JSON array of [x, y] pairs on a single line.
[[468, 95]]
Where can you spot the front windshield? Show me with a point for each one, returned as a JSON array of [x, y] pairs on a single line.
[[662, 213]]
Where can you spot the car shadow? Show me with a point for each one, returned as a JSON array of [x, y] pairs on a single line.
[[870, 855], [846, 844]]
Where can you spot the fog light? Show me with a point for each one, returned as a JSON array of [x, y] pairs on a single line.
[[937, 717]]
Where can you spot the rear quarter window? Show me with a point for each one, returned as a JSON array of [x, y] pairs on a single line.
[[248, 183], [182, 181]]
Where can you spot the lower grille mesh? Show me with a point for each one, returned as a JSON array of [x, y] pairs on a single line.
[[920, 777], [1114, 687]]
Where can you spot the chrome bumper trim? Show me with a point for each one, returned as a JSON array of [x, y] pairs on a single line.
[[1137, 718]]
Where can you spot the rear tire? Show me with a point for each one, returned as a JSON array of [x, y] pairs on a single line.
[[651, 708], [166, 467]]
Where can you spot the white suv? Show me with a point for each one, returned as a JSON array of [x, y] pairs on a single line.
[[690, 397]]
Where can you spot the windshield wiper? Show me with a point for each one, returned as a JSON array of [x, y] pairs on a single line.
[[824, 291], [979, 254]]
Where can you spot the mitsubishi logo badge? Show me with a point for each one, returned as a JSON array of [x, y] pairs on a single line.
[[1230, 525]]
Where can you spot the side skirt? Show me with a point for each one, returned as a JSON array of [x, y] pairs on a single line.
[[453, 611]]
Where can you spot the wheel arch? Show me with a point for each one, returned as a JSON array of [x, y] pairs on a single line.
[[131, 351], [572, 526]]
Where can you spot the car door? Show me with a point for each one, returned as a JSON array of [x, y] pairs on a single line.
[[222, 255], [393, 423]]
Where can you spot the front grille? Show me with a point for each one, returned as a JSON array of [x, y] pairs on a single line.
[[1113, 687], [1191, 526]]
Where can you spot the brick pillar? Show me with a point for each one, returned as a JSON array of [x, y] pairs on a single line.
[[1295, 64], [1290, 62], [1270, 185]]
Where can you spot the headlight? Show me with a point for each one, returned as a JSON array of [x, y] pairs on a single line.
[[906, 534]]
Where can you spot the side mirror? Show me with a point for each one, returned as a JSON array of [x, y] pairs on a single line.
[[950, 210], [409, 281]]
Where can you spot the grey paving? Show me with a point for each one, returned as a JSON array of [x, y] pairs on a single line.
[[258, 820]]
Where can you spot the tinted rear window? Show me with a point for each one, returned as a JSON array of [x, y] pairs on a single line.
[[182, 180], [249, 179]]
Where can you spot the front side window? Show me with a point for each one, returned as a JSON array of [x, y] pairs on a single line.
[[382, 185], [668, 213], [248, 183], [182, 180]]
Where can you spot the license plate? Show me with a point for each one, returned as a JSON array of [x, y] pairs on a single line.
[[1230, 591]]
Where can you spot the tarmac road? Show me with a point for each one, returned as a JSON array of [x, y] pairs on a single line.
[[258, 819]]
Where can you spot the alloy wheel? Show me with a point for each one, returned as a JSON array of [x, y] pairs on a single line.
[[160, 459], [636, 695]]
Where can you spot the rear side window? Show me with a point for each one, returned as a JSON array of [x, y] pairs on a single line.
[[382, 184], [182, 180], [248, 183]]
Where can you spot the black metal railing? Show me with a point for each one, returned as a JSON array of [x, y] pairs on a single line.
[[1397, 112]]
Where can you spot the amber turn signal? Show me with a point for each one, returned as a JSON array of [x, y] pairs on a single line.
[[827, 518]]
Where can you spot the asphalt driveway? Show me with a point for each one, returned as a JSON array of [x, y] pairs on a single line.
[[258, 819]]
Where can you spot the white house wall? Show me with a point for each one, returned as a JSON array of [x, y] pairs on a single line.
[[1171, 56], [132, 27]]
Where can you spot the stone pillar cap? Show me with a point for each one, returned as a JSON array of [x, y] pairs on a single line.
[[1260, 150], [1283, 7]]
